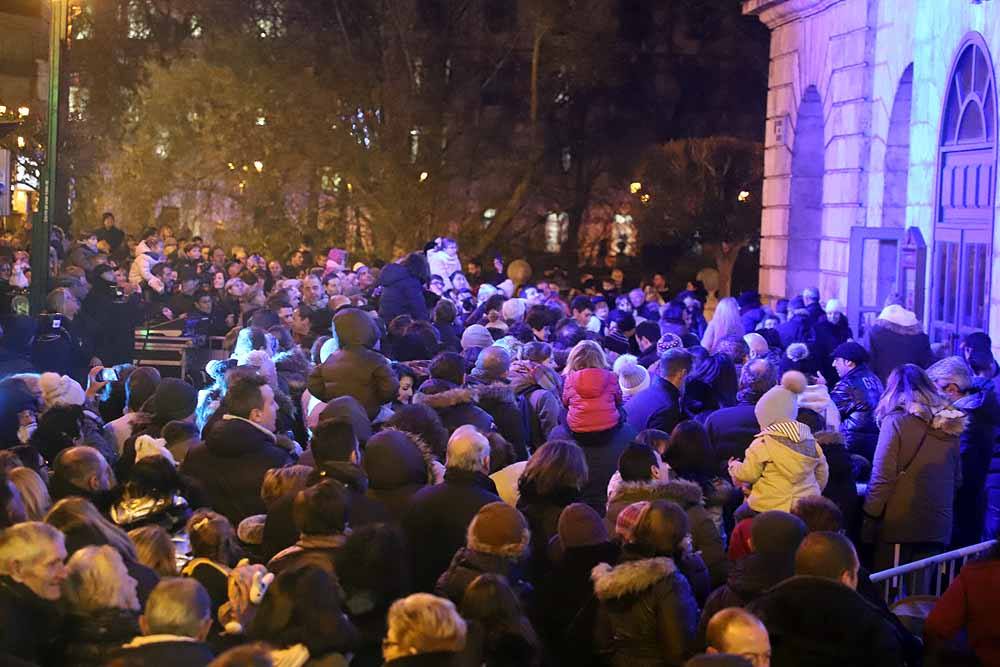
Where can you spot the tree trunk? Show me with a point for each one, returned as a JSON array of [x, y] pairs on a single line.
[[725, 262]]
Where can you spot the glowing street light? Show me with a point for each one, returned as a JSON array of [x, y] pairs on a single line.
[[644, 199], [23, 112], [3, 109], [635, 187], [423, 176], [258, 165], [20, 142], [743, 196]]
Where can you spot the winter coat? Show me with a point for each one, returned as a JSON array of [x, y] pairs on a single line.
[[437, 519], [913, 491], [748, 578], [450, 336], [513, 647], [657, 406], [164, 651], [91, 639], [539, 393], [402, 293], [891, 345], [82, 256], [976, 445], [841, 487], [856, 395], [798, 329], [730, 431], [783, 463], [689, 496], [991, 493], [442, 264], [29, 625], [820, 622], [309, 549], [230, 466], [970, 604], [293, 367], [593, 399], [468, 564], [542, 513], [397, 469], [647, 615], [501, 404], [601, 450], [142, 268], [355, 369], [455, 405]]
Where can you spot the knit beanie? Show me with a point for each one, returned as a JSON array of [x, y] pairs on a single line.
[[476, 336], [781, 403], [513, 310], [140, 385], [777, 533], [850, 351], [757, 344], [668, 341], [580, 526], [834, 306], [173, 399], [632, 378], [499, 529], [60, 390], [629, 520]]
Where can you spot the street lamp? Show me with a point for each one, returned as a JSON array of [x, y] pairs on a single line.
[[23, 112], [41, 231]]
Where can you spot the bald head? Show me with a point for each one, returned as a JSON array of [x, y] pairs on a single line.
[[828, 555], [738, 632], [83, 468], [178, 606], [468, 449]]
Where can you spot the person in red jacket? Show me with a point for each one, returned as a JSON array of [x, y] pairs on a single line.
[[970, 604], [591, 394]]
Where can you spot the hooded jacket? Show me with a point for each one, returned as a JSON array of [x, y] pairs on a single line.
[[856, 395], [397, 464], [355, 369], [891, 345], [912, 487], [91, 639], [469, 564], [455, 405], [689, 496], [602, 450], [646, 615], [402, 291], [501, 404], [593, 398], [783, 463], [539, 391], [230, 465], [976, 444]]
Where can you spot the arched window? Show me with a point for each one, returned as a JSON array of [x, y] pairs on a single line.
[[963, 219]]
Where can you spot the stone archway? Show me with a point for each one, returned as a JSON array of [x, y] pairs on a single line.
[[805, 216], [897, 154]]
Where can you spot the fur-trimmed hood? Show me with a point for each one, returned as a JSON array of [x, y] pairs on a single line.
[[440, 394], [681, 491], [395, 458], [629, 578], [948, 420], [902, 330]]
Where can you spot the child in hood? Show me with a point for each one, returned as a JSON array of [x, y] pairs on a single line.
[[591, 393], [783, 462]]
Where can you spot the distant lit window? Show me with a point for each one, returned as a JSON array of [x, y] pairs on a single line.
[[138, 20], [78, 99], [500, 16], [567, 159], [414, 144], [624, 237], [196, 27], [418, 73], [488, 216], [556, 231]]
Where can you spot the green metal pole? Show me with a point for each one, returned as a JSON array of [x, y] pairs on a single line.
[[41, 233]]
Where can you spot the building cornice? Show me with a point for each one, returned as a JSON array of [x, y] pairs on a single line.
[[774, 13]]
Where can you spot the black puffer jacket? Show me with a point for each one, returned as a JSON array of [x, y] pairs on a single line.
[[500, 402], [469, 564], [455, 405], [355, 369], [92, 639], [29, 625], [402, 290], [856, 395], [819, 622], [646, 615], [398, 465]]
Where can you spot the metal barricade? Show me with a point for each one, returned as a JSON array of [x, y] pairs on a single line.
[[940, 569]]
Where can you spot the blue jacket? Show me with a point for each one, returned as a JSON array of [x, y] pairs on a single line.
[[658, 406], [402, 293]]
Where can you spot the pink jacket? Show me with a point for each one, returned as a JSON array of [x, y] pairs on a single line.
[[593, 398]]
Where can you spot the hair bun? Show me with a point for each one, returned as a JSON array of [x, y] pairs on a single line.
[[794, 381]]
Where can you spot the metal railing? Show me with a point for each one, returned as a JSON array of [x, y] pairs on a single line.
[[935, 573]]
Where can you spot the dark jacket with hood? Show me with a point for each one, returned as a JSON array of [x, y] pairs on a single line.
[[455, 405], [355, 369], [398, 465], [856, 395], [230, 466], [497, 398], [92, 639], [29, 625], [798, 329], [403, 289], [602, 450], [819, 622], [916, 506], [646, 616], [976, 445], [539, 391], [689, 496], [891, 345], [438, 518], [469, 563]]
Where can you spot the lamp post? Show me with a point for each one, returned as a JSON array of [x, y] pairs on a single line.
[[41, 231]]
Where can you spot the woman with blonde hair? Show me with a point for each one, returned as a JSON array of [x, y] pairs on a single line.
[[909, 504], [34, 493], [725, 322], [156, 549], [103, 606], [215, 551], [426, 626]]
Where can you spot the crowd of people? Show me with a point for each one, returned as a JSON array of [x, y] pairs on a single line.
[[428, 463]]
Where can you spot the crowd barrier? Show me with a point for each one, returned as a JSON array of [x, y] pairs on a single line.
[[934, 574]]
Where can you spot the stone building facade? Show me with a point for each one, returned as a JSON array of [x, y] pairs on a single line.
[[880, 157]]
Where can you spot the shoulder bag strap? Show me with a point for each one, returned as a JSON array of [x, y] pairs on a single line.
[[917, 451]]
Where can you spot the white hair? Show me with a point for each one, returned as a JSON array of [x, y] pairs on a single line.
[[468, 449], [94, 581], [25, 542], [177, 606]]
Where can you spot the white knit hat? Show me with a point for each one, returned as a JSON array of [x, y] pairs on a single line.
[[834, 306], [60, 390], [632, 378], [781, 403], [899, 316]]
